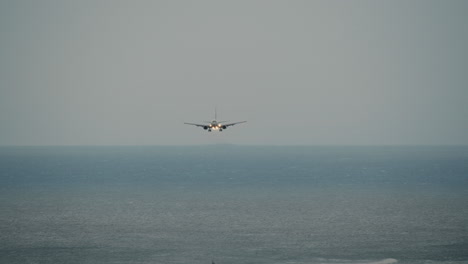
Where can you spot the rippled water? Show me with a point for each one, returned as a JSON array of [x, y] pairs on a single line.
[[234, 204]]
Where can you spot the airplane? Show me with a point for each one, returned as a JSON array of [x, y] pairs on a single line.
[[215, 125]]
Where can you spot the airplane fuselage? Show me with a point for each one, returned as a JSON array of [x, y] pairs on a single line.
[[215, 125]]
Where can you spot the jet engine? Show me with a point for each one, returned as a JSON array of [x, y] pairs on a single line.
[[205, 127], [224, 127]]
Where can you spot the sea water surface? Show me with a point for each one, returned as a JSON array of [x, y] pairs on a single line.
[[234, 204]]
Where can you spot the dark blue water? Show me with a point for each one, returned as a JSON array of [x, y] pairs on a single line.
[[233, 204]]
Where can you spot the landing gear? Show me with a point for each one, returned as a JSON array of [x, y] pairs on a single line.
[[209, 130]]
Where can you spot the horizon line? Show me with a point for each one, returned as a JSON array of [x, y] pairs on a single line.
[[243, 145]]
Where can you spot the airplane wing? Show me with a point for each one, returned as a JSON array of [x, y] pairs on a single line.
[[199, 125], [231, 124]]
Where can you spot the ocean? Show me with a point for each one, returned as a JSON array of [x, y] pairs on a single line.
[[234, 204]]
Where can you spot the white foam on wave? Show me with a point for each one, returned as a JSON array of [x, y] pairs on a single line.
[[342, 261], [385, 261]]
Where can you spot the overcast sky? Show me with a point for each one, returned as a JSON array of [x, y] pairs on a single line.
[[301, 72]]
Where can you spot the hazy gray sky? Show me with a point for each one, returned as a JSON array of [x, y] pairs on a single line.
[[301, 72]]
